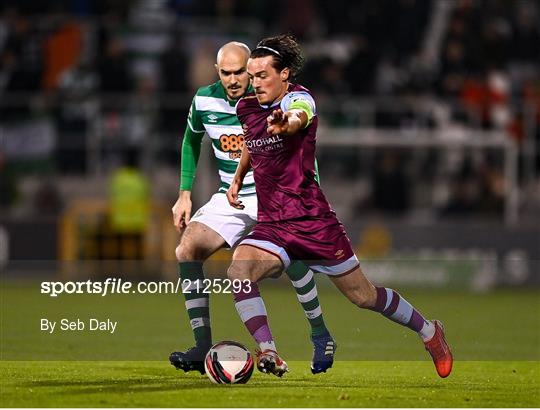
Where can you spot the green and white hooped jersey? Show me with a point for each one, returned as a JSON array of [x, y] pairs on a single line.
[[213, 113]]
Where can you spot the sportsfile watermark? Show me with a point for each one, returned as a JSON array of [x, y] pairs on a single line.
[[119, 286], [131, 310]]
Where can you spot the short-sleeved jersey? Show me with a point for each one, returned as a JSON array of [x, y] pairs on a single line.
[[213, 112], [283, 166]]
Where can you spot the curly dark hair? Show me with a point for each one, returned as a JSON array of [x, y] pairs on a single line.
[[285, 50]]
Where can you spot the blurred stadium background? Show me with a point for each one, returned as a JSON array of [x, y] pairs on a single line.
[[429, 142], [428, 149]]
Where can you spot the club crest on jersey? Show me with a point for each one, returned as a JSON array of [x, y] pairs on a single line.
[[232, 144]]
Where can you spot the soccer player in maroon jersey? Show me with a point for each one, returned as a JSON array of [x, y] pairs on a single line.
[[295, 221], [217, 225]]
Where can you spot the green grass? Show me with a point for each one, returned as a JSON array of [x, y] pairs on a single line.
[[495, 338], [349, 384]]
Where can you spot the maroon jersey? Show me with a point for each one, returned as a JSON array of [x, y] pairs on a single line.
[[283, 166]]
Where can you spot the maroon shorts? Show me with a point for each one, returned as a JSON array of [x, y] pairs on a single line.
[[320, 242]]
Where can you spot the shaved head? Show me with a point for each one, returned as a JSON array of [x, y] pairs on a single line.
[[235, 48], [231, 64]]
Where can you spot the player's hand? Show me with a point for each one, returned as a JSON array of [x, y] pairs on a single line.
[[232, 195], [277, 122], [182, 211]]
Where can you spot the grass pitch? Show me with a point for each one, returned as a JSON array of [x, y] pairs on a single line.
[[349, 384], [495, 338]]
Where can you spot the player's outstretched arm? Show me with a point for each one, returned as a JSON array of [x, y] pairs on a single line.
[[238, 180], [286, 123]]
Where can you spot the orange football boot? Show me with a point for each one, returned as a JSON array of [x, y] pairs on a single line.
[[440, 351]]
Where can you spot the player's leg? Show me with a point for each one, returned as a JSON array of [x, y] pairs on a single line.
[[331, 240], [197, 244], [249, 265], [359, 290], [306, 290], [324, 346], [213, 226], [305, 287]]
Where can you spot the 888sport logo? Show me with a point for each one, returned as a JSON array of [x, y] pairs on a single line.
[[232, 144]]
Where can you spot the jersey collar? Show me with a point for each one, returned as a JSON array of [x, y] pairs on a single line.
[[271, 105]]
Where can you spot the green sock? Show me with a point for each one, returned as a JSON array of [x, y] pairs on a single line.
[[306, 291], [197, 302]]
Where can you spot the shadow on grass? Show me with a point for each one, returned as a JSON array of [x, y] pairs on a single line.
[[119, 379], [174, 384]]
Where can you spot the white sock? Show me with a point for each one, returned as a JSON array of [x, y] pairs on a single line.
[[267, 345], [427, 331]]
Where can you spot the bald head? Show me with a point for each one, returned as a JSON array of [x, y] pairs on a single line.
[[234, 48], [231, 64]]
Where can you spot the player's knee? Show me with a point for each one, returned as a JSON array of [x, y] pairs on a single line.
[[238, 272], [185, 253]]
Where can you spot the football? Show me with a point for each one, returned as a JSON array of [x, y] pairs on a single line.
[[228, 362]]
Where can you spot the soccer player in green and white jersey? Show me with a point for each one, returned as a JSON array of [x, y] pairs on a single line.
[[216, 224]]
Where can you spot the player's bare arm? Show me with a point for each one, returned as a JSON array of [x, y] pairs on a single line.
[[286, 123], [238, 180], [182, 210]]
